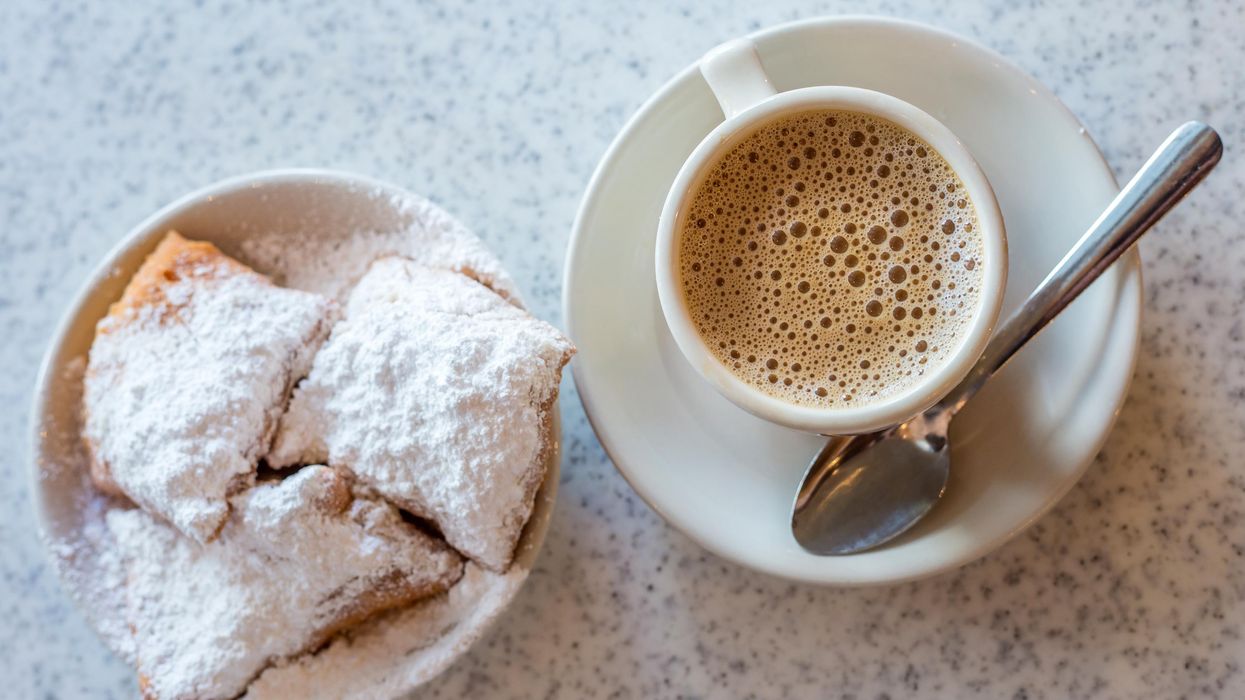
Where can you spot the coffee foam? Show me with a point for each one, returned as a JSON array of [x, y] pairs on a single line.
[[831, 258]]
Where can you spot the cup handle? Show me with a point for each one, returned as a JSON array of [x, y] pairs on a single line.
[[734, 73]]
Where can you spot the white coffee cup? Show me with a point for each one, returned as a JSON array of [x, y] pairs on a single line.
[[749, 101]]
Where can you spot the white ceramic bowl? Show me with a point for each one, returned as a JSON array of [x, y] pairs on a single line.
[[301, 204]]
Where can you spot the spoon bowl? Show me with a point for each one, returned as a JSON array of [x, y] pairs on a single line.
[[882, 467]]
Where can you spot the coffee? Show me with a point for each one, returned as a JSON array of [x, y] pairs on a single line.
[[830, 258]]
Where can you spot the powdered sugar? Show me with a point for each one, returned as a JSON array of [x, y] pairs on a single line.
[[92, 566], [399, 651], [436, 392], [72, 511], [423, 232], [187, 377], [299, 559]]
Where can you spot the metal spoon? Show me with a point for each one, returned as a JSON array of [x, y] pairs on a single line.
[[863, 490]]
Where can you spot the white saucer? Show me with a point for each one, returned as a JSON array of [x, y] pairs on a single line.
[[727, 479]]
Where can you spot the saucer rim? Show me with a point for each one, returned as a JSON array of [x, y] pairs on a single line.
[[1128, 268]]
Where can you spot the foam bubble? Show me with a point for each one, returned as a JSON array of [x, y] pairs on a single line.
[[831, 259]]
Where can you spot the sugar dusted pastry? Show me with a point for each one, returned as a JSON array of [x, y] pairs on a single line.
[[187, 377], [299, 560], [436, 392]]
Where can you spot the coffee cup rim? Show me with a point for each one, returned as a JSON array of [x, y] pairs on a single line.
[[834, 420]]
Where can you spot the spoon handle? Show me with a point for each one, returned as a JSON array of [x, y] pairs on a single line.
[[1176, 167]]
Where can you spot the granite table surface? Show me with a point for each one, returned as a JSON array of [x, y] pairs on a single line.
[[1133, 587]]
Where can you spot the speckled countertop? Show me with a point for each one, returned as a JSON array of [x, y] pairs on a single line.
[[1133, 587]]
